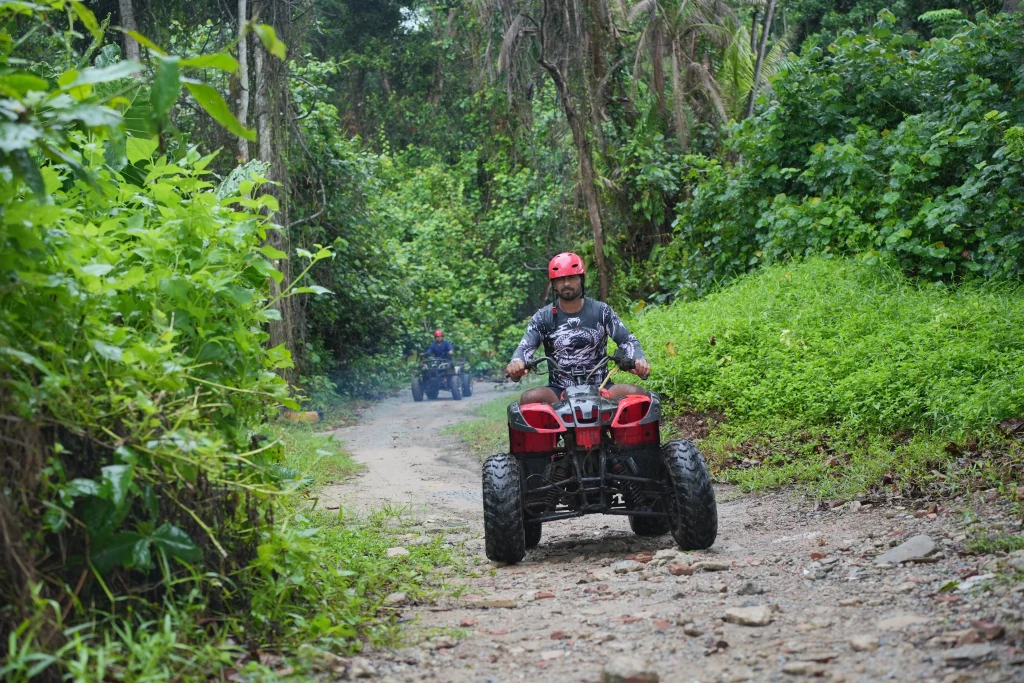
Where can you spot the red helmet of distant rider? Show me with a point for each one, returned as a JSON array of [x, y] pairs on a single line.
[[438, 334]]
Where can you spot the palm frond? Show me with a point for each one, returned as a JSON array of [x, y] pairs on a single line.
[[776, 58], [709, 87], [509, 42], [642, 7]]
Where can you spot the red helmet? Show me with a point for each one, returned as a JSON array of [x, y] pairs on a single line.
[[566, 264], [438, 334]]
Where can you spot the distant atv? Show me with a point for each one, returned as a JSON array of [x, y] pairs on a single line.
[[438, 374], [590, 454]]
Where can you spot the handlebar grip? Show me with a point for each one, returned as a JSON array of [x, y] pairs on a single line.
[[626, 363]]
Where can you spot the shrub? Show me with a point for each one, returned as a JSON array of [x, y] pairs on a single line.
[[878, 144], [843, 350]]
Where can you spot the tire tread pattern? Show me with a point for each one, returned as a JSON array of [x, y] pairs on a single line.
[[694, 521], [504, 533]]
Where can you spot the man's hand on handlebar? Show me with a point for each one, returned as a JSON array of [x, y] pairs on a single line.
[[516, 369], [642, 369]]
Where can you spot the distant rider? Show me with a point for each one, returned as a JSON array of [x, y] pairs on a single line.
[[441, 348], [575, 331]]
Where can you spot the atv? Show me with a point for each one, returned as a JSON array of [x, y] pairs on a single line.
[[437, 374], [591, 454]]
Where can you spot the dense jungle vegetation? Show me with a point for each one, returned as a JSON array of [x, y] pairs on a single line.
[[210, 211]]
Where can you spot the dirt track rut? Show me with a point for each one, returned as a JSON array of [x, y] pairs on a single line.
[[576, 606]]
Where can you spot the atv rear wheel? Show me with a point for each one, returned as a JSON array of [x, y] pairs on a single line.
[[417, 389], [455, 386], [693, 512], [504, 535], [467, 385], [533, 533]]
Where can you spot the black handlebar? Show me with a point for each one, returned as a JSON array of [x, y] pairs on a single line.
[[623, 363]]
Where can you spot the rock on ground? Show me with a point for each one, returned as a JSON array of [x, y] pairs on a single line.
[[760, 615], [628, 670], [917, 548]]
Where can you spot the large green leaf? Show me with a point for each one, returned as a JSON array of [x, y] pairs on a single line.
[[20, 82], [17, 136], [268, 36], [176, 543], [117, 479], [219, 60], [30, 172], [166, 87], [210, 100], [108, 551], [86, 16], [115, 72], [91, 116], [146, 42]]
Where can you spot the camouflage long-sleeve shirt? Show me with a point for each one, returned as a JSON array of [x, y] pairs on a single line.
[[578, 341]]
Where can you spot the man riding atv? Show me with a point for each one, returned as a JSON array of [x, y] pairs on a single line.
[[574, 331], [440, 347], [577, 448]]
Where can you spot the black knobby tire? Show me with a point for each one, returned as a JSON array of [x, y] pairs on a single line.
[[467, 385], [504, 534], [432, 387], [417, 389], [533, 533], [694, 513], [455, 386]]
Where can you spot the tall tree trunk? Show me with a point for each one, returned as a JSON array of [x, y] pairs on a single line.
[[658, 69], [269, 132], [753, 31], [131, 46], [761, 50], [243, 77]]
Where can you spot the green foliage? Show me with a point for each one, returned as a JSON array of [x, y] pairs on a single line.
[[147, 527], [866, 149], [845, 354], [430, 241]]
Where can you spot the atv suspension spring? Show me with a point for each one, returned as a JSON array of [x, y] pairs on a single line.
[[559, 471], [632, 493]]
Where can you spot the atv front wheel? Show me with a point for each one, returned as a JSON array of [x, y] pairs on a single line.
[[431, 388], [467, 385], [693, 512], [455, 386], [504, 535], [417, 390], [533, 532]]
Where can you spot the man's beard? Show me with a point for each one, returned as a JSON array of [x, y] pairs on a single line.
[[576, 294]]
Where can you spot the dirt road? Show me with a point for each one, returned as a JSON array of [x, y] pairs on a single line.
[[786, 593]]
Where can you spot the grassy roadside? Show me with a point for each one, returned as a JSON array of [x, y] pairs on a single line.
[[316, 586], [841, 377], [329, 574]]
